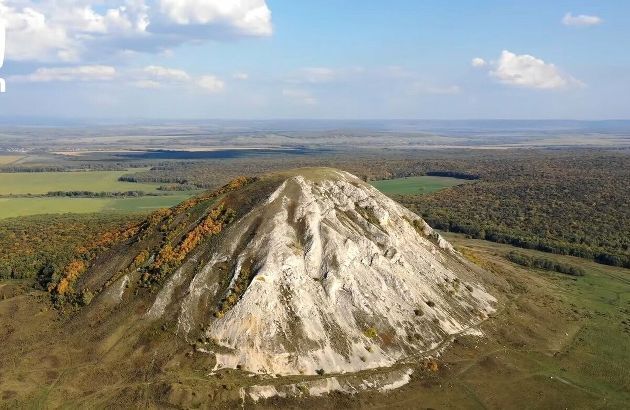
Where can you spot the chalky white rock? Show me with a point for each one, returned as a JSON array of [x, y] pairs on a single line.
[[340, 278]]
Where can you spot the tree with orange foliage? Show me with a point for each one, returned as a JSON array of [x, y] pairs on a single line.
[[71, 273]]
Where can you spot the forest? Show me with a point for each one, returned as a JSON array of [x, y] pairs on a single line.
[[42, 245], [573, 205], [573, 202]]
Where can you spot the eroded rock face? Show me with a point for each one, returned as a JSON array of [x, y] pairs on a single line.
[[328, 275]]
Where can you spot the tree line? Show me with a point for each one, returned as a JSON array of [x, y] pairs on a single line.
[[544, 264]]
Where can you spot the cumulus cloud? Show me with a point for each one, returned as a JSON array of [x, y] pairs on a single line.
[[76, 73], [210, 83], [163, 73], [582, 20], [529, 72], [69, 30], [478, 62], [61, 30], [152, 76], [249, 17]]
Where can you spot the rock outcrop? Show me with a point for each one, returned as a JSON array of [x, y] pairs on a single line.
[[326, 274]]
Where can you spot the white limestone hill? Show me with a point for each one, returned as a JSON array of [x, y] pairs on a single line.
[[326, 274]]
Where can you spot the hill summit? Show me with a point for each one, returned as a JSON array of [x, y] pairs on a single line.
[[304, 272]]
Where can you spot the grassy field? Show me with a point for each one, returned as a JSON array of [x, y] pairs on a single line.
[[569, 336], [42, 182], [12, 207], [416, 185], [39, 183]]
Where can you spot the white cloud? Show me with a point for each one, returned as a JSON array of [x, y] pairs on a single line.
[[248, 17], [478, 62], [300, 96], [210, 83], [154, 76], [149, 77], [76, 30], [581, 20], [76, 73], [530, 72], [52, 30], [30, 37], [163, 73]]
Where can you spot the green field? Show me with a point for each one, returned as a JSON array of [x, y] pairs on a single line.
[[576, 341], [40, 183], [416, 185], [35, 183], [11, 207]]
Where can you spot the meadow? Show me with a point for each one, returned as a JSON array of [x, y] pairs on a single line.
[[22, 183], [416, 185], [567, 337], [12, 207]]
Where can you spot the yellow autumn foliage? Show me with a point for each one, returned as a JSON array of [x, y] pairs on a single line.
[[71, 273]]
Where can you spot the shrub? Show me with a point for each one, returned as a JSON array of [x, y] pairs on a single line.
[[86, 297], [371, 332], [544, 264]]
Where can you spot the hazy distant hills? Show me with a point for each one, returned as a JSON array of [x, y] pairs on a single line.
[[78, 135]]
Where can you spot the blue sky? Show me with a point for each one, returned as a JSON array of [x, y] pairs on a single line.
[[316, 59]]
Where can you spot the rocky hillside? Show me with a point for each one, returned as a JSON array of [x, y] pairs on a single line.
[[307, 272]]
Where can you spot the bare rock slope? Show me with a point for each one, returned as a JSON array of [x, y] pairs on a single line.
[[326, 274]]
